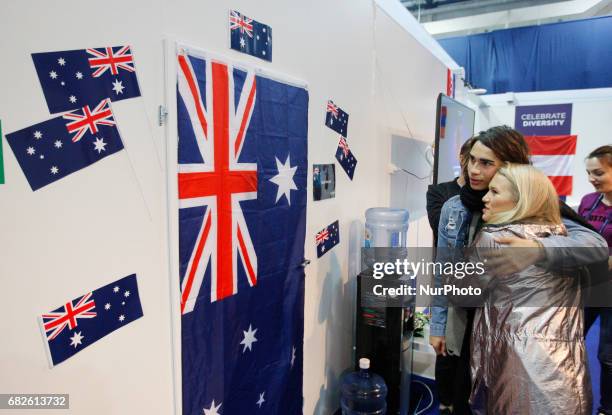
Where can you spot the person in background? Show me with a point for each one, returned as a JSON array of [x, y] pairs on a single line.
[[438, 194], [528, 352], [597, 209], [447, 375], [460, 220]]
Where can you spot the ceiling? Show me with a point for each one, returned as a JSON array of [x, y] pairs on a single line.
[[435, 10], [444, 18]]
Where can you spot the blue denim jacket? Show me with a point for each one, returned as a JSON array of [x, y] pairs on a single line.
[[453, 233]]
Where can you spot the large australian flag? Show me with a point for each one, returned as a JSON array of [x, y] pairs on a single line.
[[242, 180], [71, 79]]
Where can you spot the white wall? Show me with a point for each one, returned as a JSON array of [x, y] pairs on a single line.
[[591, 113], [88, 229], [408, 81], [93, 226]]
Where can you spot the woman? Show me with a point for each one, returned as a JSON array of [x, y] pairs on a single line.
[[460, 219], [528, 351], [489, 150], [597, 209]]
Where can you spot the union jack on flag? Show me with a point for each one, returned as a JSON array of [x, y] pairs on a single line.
[[87, 120], [322, 236], [242, 180], [241, 22], [331, 107], [344, 146], [104, 59], [220, 181], [55, 322]]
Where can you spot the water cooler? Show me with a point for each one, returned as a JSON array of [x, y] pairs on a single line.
[[384, 334]]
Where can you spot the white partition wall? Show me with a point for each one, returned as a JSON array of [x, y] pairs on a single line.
[[110, 220], [90, 228]]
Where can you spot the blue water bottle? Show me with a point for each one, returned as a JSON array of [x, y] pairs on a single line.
[[363, 392]]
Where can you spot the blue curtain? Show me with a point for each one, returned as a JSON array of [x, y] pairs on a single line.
[[568, 55]]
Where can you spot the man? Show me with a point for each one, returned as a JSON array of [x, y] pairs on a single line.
[[447, 377]]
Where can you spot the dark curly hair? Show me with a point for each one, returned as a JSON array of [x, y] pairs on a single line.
[[506, 143]]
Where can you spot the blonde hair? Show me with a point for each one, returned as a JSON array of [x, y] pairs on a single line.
[[535, 196]]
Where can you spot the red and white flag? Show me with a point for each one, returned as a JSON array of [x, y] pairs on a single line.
[[450, 84], [554, 155]]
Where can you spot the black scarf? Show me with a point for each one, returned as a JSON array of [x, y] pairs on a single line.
[[472, 199]]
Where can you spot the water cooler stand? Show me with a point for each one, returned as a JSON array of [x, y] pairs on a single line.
[[384, 335]]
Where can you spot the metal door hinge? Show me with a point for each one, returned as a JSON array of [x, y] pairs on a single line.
[[162, 115]]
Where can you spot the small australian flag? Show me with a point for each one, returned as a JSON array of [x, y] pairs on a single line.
[[249, 36], [336, 119], [81, 322], [53, 149], [346, 158], [71, 79], [327, 238]]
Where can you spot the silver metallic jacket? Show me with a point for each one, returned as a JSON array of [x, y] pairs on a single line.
[[528, 352]]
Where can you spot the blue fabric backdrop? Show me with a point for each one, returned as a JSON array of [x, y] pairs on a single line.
[[568, 55]]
